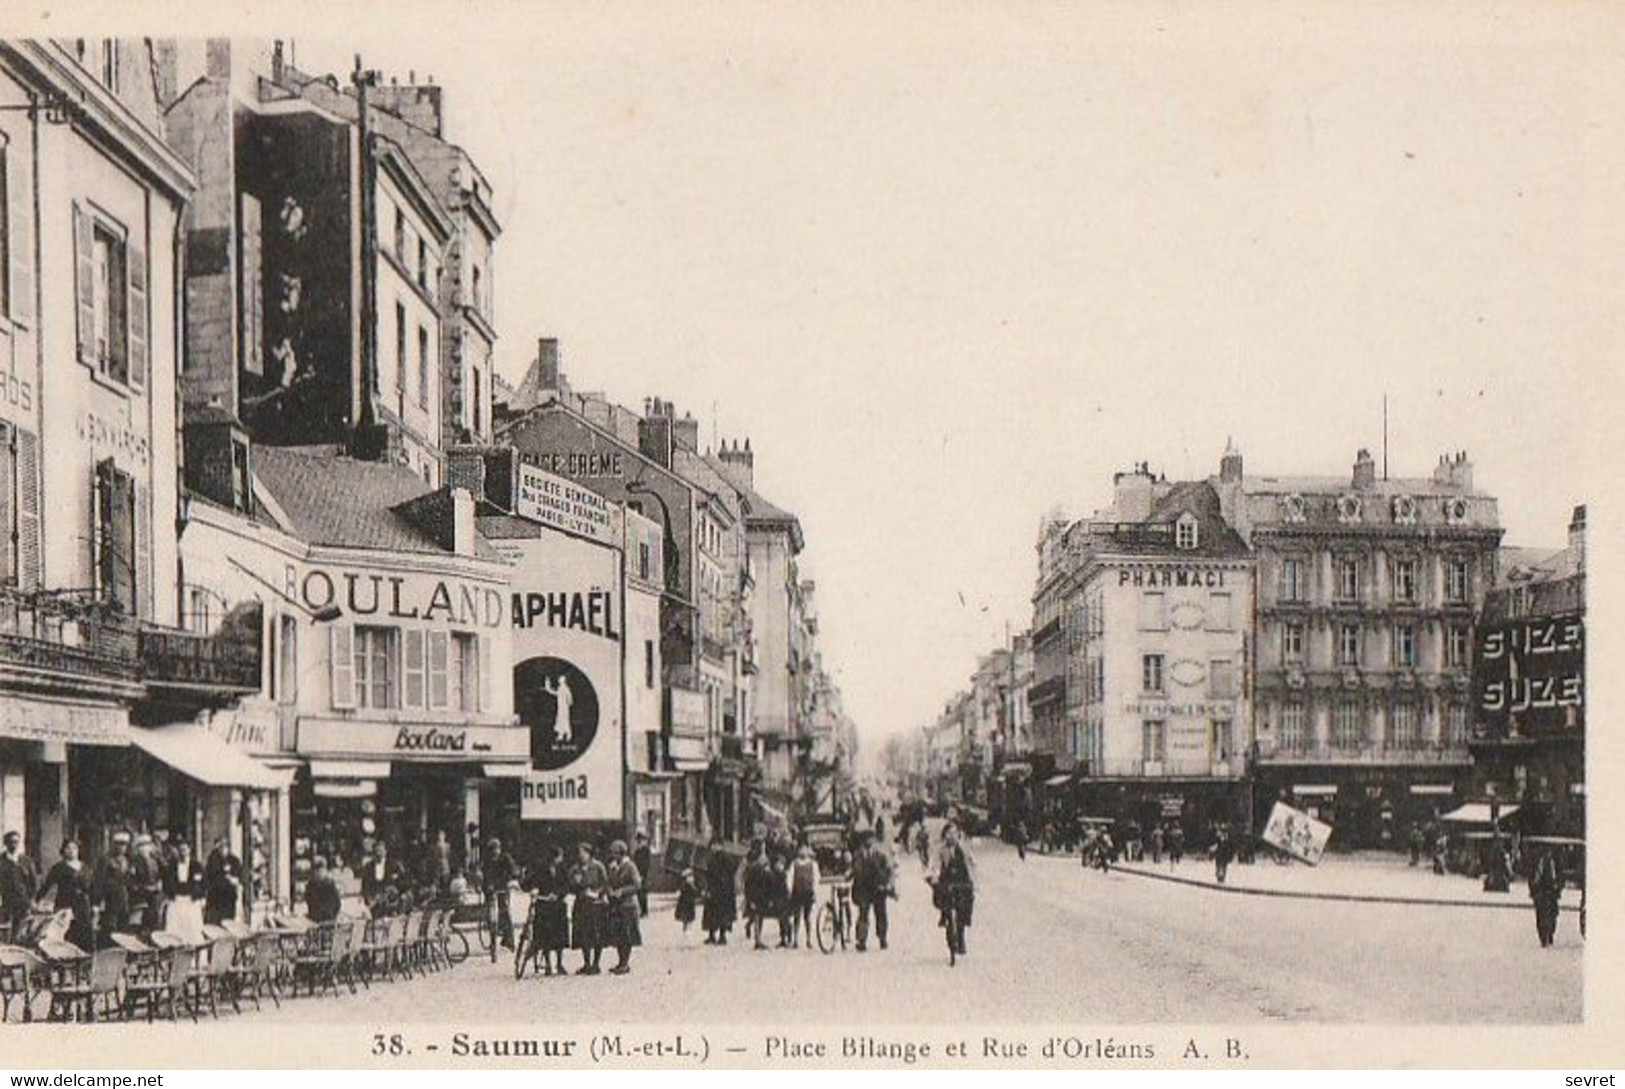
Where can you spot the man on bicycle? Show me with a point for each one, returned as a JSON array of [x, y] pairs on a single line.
[[499, 872], [954, 886]]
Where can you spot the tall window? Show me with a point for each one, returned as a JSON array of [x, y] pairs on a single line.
[[375, 667], [649, 663], [1222, 679], [1294, 585], [1402, 734], [1153, 740], [1151, 673], [1220, 615], [1153, 612], [1293, 734], [1455, 647], [197, 611], [400, 349], [400, 237], [423, 367], [1348, 645], [287, 660], [479, 296], [1348, 579], [1348, 726], [1292, 644], [1219, 739], [1405, 646], [1405, 581], [1455, 581], [475, 400], [1456, 725], [5, 237], [423, 262], [114, 549], [463, 672], [10, 502]]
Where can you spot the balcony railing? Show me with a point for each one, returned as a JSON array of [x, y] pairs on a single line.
[[1138, 767], [1315, 751], [65, 634]]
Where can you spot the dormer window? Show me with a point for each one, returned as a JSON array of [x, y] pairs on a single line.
[[1348, 509], [1404, 510], [1293, 509], [1185, 532]]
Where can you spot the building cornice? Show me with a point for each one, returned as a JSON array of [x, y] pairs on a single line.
[[99, 115]]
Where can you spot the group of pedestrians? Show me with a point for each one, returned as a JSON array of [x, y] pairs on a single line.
[[143, 883]]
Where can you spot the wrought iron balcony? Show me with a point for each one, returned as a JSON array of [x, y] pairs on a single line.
[[1314, 751], [53, 638]]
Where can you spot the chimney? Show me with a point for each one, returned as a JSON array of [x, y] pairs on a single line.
[[687, 431], [738, 465], [655, 434], [1365, 470], [462, 521], [548, 375], [1133, 499], [1577, 539], [1454, 471]]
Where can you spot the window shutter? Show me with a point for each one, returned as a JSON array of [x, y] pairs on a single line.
[[138, 316], [414, 672], [439, 653], [20, 224], [8, 504], [84, 248], [101, 544], [143, 551], [481, 646], [341, 648], [28, 550]]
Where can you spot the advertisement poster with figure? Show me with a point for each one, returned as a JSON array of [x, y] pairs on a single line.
[[566, 607], [1297, 833]]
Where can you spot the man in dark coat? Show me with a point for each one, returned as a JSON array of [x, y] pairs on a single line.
[[322, 899], [498, 872], [641, 858], [721, 902], [1546, 890], [147, 886], [1224, 850], [222, 878], [18, 884], [872, 887], [111, 887], [380, 878]]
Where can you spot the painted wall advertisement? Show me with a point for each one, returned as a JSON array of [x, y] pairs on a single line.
[[563, 504], [1530, 675], [568, 620]]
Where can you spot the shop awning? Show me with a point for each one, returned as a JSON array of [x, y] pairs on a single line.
[[349, 769], [195, 752], [1476, 813], [1057, 780], [1432, 788], [772, 815], [1314, 788], [1014, 769], [506, 771], [344, 788]]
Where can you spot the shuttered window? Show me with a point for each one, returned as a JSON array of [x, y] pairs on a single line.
[[16, 204], [413, 689], [114, 558], [341, 655], [8, 507], [111, 292]]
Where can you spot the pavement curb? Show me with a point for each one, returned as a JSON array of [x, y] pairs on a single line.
[[1348, 897]]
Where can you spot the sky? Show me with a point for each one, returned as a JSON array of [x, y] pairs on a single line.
[[948, 267]]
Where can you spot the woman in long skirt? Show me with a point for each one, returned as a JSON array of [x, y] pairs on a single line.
[[550, 885], [589, 881], [623, 882], [721, 902]]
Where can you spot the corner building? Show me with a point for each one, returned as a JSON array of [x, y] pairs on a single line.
[[1368, 596]]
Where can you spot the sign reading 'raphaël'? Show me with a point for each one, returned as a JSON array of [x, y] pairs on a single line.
[[563, 504], [567, 623]]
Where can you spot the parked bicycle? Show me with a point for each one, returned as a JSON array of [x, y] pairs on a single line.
[[834, 924]]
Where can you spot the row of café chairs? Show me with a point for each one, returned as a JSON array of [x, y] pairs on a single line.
[[166, 974]]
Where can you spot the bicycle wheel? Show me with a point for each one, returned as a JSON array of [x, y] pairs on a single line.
[[523, 954], [828, 929], [456, 946]]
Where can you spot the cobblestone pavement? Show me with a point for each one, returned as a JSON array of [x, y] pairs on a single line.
[[1052, 942]]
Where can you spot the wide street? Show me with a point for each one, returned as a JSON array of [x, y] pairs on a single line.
[[1050, 942]]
